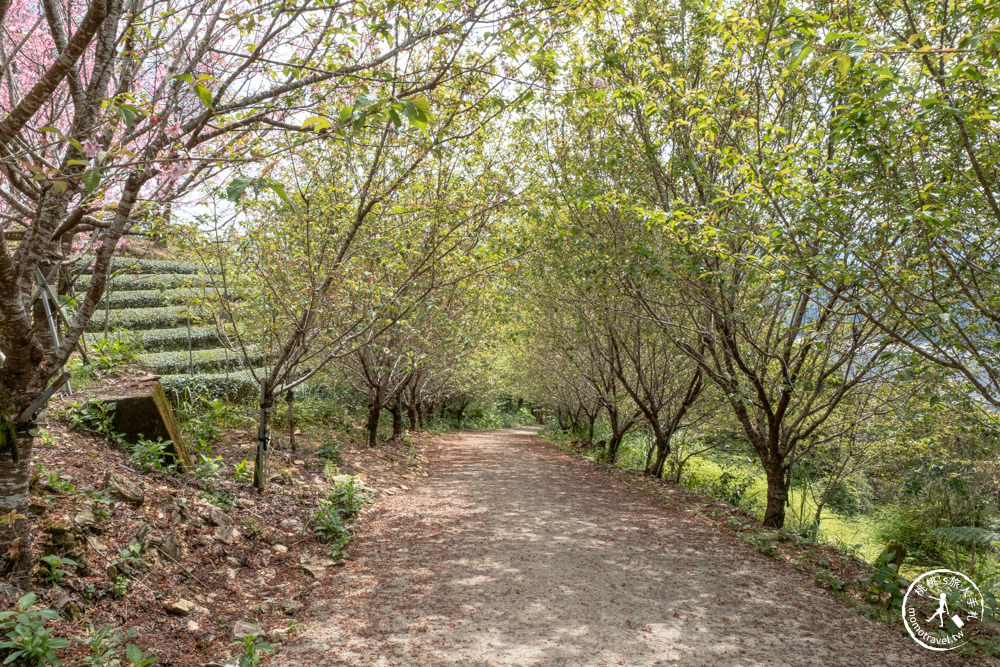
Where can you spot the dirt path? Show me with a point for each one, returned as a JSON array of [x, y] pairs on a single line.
[[513, 553]]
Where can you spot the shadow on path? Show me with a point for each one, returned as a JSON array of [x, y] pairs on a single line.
[[513, 553]]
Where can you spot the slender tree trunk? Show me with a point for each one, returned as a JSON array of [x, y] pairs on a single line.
[[290, 400], [662, 450], [16, 560], [777, 493], [461, 411], [397, 419], [411, 414], [263, 437], [613, 444], [649, 456], [374, 412], [420, 415], [590, 427]]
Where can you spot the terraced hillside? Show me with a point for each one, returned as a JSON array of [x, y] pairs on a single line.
[[160, 303]]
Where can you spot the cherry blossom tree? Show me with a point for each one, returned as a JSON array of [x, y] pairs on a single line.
[[112, 109]]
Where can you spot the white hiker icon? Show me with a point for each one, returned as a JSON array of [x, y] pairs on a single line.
[[941, 610]]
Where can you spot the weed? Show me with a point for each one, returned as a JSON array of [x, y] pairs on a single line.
[[119, 587], [208, 472], [137, 658], [329, 450], [92, 415], [150, 454], [121, 347], [53, 571], [826, 579], [105, 644], [333, 517], [253, 527], [765, 543], [243, 471], [253, 649], [52, 480], [28, 640], [332, 527]]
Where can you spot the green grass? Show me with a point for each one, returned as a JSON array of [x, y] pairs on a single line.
[[856, 534]]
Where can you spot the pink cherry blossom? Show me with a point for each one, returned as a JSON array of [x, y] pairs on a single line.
[[174, 130], [90, 148]]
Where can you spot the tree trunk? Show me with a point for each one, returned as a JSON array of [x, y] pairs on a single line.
[[777, 494], [590, 427], [662, 450], [613, 444], [15, 560], [290, 399], [374, 411], [649, 457], [421, 422], [411, 414], [461, 411], [397, 419], [263, 436]]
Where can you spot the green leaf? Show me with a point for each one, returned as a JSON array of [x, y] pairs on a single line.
[[365, 100], [204, 94], [133, 653], [91, 179], [317, 123], [843, 65], [278, 189], [394, 116], [128, 115], [236, 189]]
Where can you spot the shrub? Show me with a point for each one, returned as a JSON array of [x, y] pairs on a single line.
[[135, 265], [235, 385], [145, 318], [146, 298], [180, 361], [132, 281]]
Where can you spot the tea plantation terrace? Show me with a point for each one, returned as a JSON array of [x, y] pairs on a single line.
[[161, 303]]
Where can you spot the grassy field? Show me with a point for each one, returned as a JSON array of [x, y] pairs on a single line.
[[742, 483]]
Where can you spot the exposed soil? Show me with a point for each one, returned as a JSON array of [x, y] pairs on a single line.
[[511, 552], [252, 574]]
